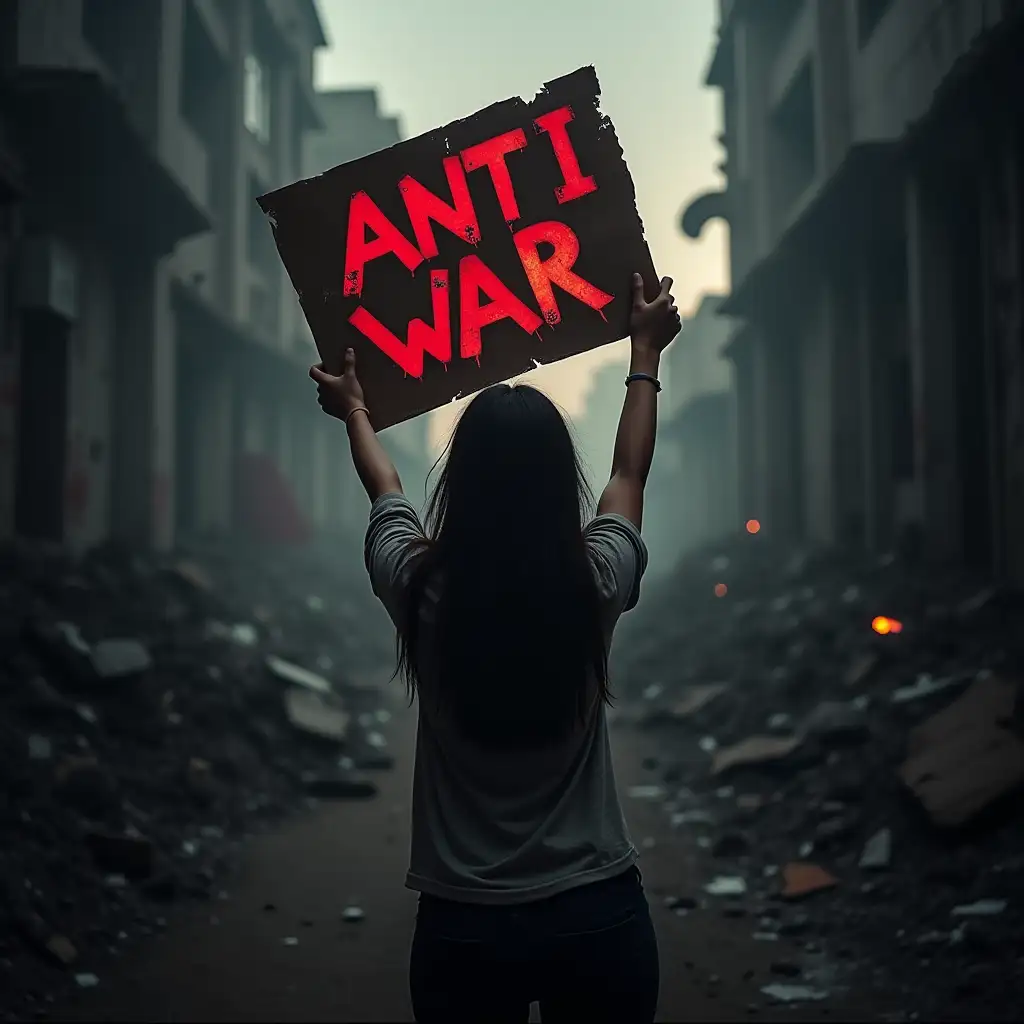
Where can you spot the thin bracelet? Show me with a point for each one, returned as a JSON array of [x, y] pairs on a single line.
[[352, 412], [644, 376]]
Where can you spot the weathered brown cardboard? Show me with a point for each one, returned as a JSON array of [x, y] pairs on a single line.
[[310, 221]]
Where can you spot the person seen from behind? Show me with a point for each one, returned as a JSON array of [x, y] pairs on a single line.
[[504, 608]]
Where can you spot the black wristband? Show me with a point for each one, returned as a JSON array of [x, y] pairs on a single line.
[[644, 376]]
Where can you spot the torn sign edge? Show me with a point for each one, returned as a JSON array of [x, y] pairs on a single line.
[[517, 106]]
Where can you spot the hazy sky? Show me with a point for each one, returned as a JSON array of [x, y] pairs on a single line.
[[437, 60]]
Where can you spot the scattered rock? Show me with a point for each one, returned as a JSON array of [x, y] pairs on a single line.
[[295, 675], [340, 786], [39, 748], [696, 699], [964, 758], [837, 722], [801, 879], [726, 885], [120, 659], [877, 851], [62, 950], [980, 908], [313, 715], [646, 792], [754, 751], [794, 993]]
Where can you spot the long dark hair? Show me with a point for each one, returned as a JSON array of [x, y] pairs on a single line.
[[517, 645]]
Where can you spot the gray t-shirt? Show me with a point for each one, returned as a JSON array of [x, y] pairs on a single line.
[[509, 827]]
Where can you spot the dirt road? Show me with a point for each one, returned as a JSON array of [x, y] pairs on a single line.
[[277, 948]]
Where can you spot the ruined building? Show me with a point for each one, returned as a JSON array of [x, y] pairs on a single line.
[[153, 355], [874, 197]]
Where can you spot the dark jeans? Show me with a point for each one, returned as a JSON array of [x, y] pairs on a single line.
[[588, 954]]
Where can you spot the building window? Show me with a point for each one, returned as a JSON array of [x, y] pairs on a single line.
[[257, 98], [869, 14]]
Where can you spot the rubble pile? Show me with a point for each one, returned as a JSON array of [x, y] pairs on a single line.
[[842, 738], [154, 711]]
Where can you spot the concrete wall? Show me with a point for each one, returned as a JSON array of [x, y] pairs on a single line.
[[140, 374], [873, 396]]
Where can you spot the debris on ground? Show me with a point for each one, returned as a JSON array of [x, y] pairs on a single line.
[[855, 725], [154, 712]]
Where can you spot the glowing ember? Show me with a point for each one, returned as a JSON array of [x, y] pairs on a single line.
[[721, 590], [753, 526], [883, 626]]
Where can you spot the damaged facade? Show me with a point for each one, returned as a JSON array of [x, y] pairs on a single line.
[[153, 354], [874, 200]]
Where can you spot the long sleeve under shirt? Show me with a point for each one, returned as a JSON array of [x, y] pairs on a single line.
[[499, 827]]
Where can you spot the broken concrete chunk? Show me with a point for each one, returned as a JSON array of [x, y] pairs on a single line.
[[695, 817], [71, 636], [131, 856], [837, 721], [243, 634], [120, 659], [696, 698], [726, 885], [756, 750], [963, 759], [802, 878], [339, 786], [61, 949], [981, 908], [297, 676], [794, 993], [646, 792], [310, 713], [877, 851], [39, 748], [86, 980], [926, 686]]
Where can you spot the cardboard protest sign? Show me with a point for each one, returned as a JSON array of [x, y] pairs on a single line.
[[460, 258]]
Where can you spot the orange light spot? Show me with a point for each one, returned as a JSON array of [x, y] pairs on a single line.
[[721, 590], [883, 625], [753, 526]]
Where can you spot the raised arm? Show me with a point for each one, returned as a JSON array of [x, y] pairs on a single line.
[[652, 326], [342, 397]]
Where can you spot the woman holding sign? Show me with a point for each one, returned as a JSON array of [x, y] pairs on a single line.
[[505, 609]]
